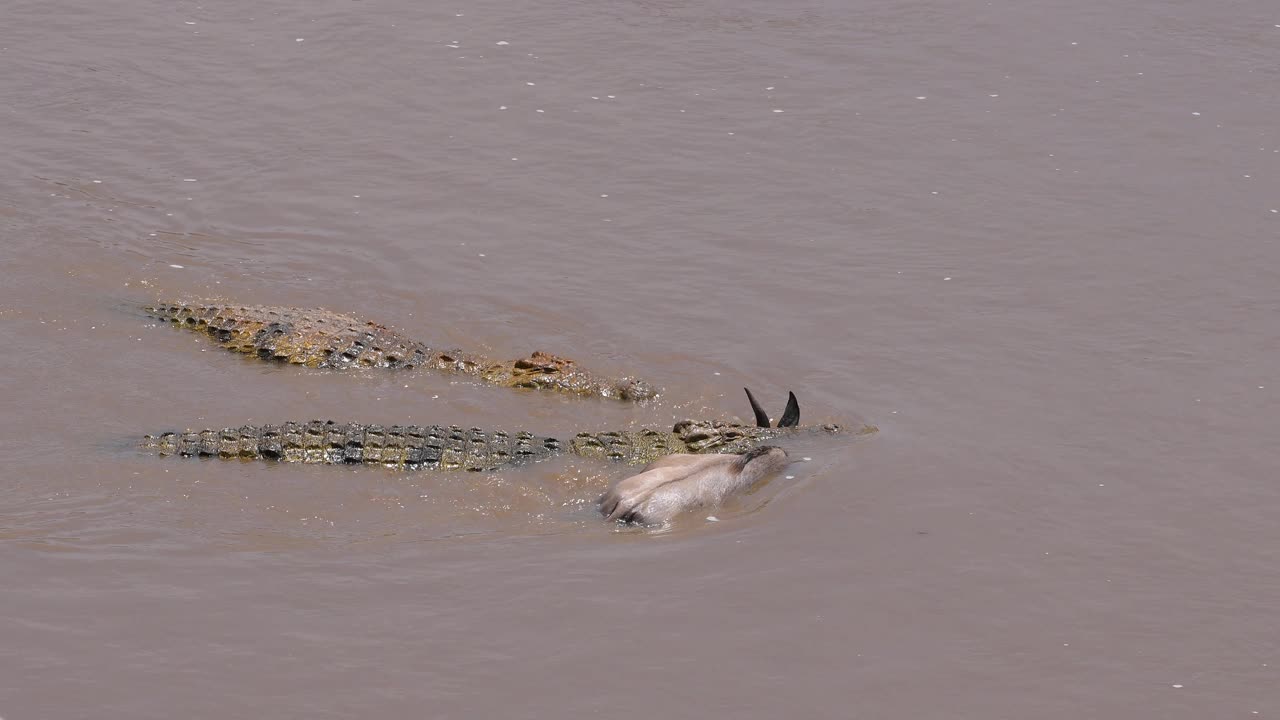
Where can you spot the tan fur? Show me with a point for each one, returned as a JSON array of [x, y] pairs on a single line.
[[675, 484]]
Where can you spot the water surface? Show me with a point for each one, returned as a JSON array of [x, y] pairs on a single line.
[[1034, 243]]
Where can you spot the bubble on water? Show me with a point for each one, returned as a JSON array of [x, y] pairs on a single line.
[[712, 518], [791, 477], [502, 42]]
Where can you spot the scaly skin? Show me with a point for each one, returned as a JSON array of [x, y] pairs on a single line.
[[415, 447], [323, 339], [317, 441]]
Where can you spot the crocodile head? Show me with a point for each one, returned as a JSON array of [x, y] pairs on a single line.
[[633, 389], [718, 436]]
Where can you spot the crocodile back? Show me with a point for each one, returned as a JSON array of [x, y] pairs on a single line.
[[304, 336], [410, 447], [633, 447]]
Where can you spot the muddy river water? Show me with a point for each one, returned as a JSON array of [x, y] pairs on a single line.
[[1037, 244]]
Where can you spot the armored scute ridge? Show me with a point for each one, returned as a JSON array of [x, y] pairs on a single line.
[[323, 339], [416, 447], [399, 446]]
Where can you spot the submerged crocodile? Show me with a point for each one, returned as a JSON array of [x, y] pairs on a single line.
[[414, 447], [322, 339]]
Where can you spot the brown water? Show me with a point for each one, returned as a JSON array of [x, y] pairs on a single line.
[[1036, 243]]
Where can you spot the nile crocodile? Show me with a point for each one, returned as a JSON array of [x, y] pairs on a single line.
[[322, 339], [415, 447]]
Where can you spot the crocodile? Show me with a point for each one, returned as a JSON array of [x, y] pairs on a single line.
[[320, 338], [436, 447]]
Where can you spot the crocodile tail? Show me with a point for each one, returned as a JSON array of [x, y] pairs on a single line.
[[249, 442]]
